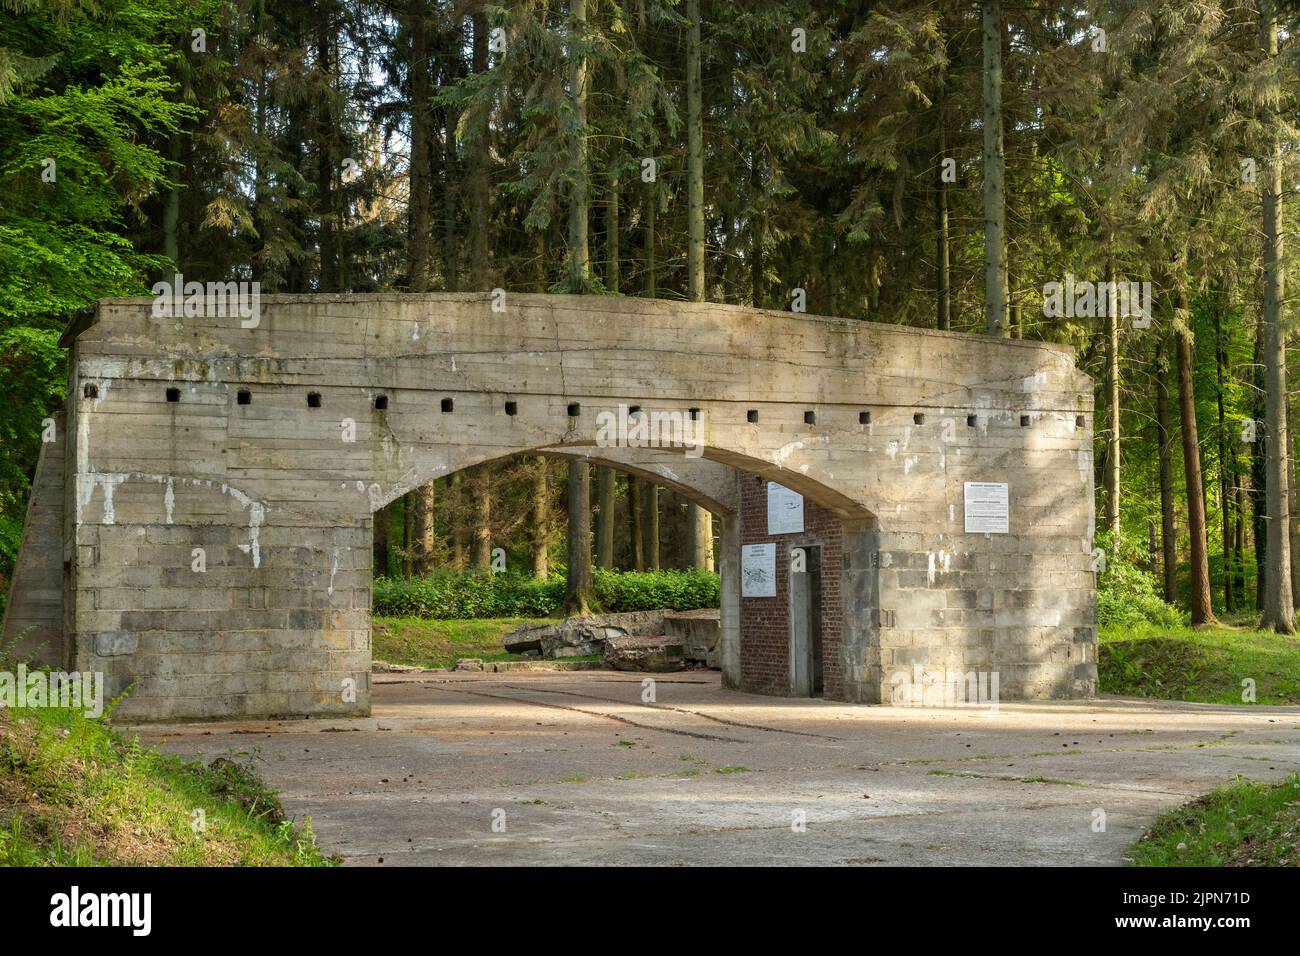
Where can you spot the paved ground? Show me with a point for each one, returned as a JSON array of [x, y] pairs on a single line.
[[583, 771]]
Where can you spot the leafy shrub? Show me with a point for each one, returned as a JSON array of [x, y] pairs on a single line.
[[1128, 596], [443, 595], [651, 590]]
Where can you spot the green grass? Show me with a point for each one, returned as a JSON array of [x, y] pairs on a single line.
[[1245, 824], [1207, 666], [74, 792], [418, 642]]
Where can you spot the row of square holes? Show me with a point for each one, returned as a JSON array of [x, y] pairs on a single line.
[[245, 397]]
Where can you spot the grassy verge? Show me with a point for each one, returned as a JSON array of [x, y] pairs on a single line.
[[74, 792], [1246, 824], [1207, 666], [418, 642]]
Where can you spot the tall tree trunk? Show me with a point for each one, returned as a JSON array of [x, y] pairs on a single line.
[[578, 584], [1199, 559], [425, 524], [171, 224], [380, 538], [995, 211], [451, 68], [757, 236], [649, 525], [1293, 532], [1112, 474], [578, 581], [423, 499], [694, 158], [700, 531], [1168, 529], [613, 272], [651, 210], [579, 255], [700, 537], [455, 520], [1240, 534], [481, 485], [635, 524], [1225, 466], [1279, 612], [540, 517], [480, 200], [604, 517], [943, 270], [325, 127], [408, 535], [418, 202], [1259, 474]]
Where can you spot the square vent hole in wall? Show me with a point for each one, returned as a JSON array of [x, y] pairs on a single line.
[[381, 402], [448, 405], [173, 394], [244, 397], [313, 399], [90, 391]]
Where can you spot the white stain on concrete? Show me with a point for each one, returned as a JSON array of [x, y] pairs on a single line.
[[334, 569]]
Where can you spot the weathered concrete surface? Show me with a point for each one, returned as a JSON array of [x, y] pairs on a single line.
[[33, 620], [261, 452], [588, 774]]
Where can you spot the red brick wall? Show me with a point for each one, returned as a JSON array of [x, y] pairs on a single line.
[[765, 622]]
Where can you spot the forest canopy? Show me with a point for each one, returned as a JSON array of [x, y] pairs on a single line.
[[1116, 176]]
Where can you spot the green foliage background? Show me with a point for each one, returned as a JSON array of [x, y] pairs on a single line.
[[448, 595]]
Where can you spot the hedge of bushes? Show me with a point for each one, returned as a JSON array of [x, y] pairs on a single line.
[[446, 595]]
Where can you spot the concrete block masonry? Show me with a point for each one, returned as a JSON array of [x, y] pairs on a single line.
[[201, 528]]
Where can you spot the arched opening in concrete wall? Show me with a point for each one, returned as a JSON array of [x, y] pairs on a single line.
[[211, 511], [798, 596]]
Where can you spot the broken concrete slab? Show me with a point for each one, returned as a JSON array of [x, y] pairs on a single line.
[[581, 636], [700, 633], [655, 654]]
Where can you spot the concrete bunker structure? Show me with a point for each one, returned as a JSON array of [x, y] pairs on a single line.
[[200, 529]]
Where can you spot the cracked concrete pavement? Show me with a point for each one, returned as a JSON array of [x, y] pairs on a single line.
[[581, 771]]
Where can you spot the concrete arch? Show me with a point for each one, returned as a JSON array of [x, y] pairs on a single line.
[[267, 443]]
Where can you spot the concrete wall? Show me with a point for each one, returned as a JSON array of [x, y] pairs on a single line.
[[33, 619], [278, 494]]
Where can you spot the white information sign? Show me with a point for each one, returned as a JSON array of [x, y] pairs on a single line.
[[987, 507], [758, 570], [784, 510]]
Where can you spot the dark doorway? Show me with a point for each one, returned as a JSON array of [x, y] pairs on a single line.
[[806, 621]]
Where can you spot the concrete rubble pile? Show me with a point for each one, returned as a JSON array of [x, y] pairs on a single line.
[[653, 641]]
